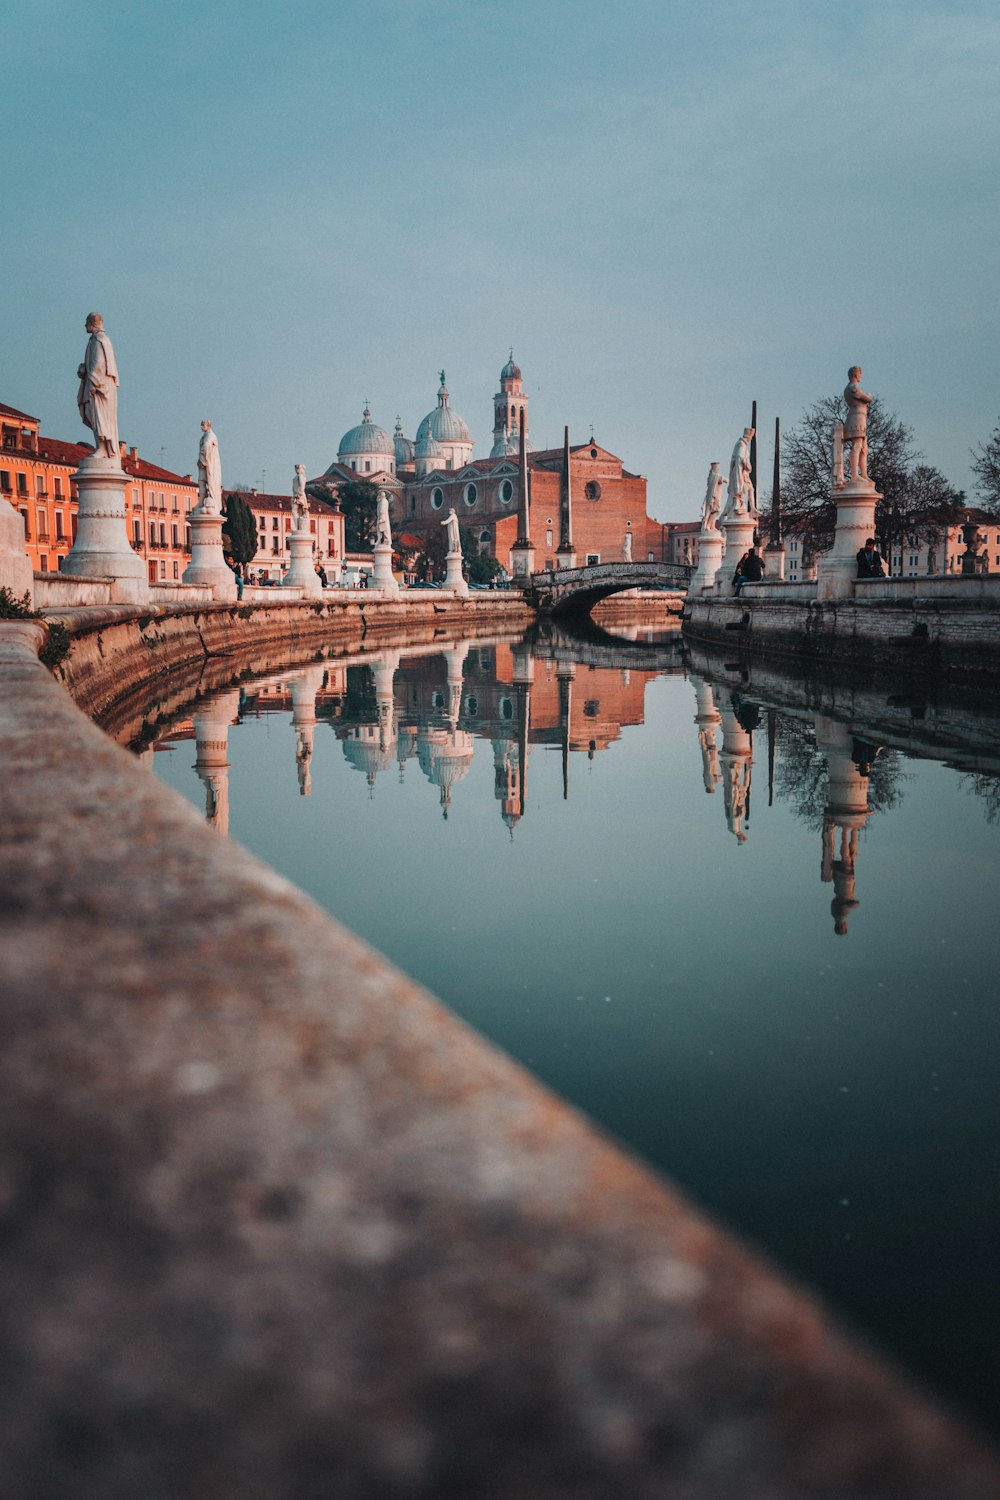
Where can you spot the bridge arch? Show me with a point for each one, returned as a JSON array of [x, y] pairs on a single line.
[[577, 590]]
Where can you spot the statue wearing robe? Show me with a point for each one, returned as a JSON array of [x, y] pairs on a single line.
[[454, 538], [742, 501], [98, 394], [712, 507], [856, 426], [383, 532], [300, 501], [209, 472]]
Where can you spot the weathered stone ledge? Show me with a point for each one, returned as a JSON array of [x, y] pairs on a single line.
[[906, 626], [275, 1223]]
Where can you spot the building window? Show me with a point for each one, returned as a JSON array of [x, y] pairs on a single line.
[[506, 492], [39, 485], [57, 487], [506, 708], [176, 572], [650, 557], [5, 481], [44, 561], [175, 539], [163, 571], [22, 484], [548, 539], [163, 535], [470, 494], [137, 531], [593, 558], [592, 490], [60, 533], [437, 498], [27, 527], [187, 539], [43, 525], [152, 533], [368, 465], [484, 538], [135, 499], [175, 507]]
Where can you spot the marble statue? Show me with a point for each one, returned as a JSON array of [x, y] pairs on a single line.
[[98, 394], [856, 426], [383, 531], [712, 508], [300, 501], [627, 547], [209, 472], [742, 501], [454, 539]]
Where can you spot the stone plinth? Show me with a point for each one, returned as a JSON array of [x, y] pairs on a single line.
[[453, 578], [838, 569], [739, 532], [774, 561], [566, 557], [102, 548], [211, 735], [737, 761], [302, 573], [522, 561], [709, 558], [208, 564], [382, 577], [708, 719], [15, 564]]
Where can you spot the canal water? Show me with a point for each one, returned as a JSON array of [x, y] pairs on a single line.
[[750, 931]]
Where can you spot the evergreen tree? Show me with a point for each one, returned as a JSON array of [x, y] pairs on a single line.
[[480, 567], [358, 500], [239, 529]]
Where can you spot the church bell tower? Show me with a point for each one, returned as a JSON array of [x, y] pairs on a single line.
[[508, 403]]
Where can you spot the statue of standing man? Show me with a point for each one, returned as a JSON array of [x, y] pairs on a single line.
[[383, 531], [209, 472], [97, 397], [742, 500], [454, 539], [712, 507], [856, 426], [300, 501]]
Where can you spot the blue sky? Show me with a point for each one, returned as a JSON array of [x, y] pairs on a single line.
[[669, 209]]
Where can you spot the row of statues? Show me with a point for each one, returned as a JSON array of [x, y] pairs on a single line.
[[850, 435]]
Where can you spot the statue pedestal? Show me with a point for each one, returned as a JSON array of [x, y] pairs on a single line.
[[709, 558], [301, 573], [774, 561], [382, 575], [453, 574], [15, 564], [838, 569], [102, 548], [522, 561], [208, 564], [739, 532], [566, 557]]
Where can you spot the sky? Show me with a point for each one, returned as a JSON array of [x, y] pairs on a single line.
[[669, 209]]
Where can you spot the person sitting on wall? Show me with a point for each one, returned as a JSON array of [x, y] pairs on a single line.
[[870, 561], [749, 569]]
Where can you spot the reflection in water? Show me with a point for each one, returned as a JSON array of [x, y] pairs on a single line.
[[524, 829]]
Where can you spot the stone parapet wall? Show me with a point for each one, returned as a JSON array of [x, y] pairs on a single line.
[[906, 626], [120, 651], [275, 1222]]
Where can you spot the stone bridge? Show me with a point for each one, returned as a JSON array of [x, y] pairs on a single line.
[[577, 590]]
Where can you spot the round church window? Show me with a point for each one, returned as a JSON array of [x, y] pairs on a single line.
[[470, 494], [437, 498], [506, 492], [592, 490]]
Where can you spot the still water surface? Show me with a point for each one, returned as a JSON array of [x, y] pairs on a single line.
[[757, 944]]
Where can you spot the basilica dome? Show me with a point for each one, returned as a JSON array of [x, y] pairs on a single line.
[[369, 442], [443, 423], [403, 447]]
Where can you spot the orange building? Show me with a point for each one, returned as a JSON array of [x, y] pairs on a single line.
[[274, 526], [36, 476]]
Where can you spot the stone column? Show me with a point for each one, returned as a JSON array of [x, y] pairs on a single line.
[[301, 572], [382, 576], [454, 659], [566, 552], [708, 719], [384, 670], [211, 734], [522, 554], [208, 565], [453, 577], [15, 564], [837, 570], [102, 548], [709, 560], [739, 530]]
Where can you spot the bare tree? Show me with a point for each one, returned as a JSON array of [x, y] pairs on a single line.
[[986, 467]]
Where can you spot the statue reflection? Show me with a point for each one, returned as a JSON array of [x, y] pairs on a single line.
[[849, 761], [304, 689], [708, 720], [739, 720], [211, 734]]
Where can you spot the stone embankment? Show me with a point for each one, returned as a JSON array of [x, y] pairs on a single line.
[[926, 626], [275, 1223]]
